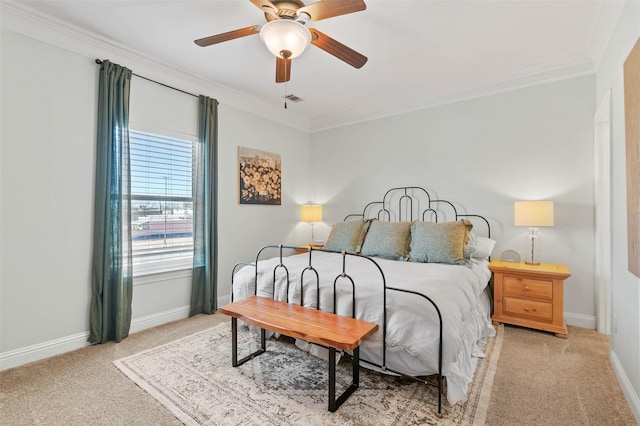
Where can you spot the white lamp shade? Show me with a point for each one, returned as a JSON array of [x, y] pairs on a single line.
[[311, 213], [285, 35], [533, 213]]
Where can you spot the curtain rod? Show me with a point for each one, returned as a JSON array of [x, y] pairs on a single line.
[[99, 61]]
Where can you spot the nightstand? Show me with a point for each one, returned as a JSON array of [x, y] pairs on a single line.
[[305, 248], [530, 295]]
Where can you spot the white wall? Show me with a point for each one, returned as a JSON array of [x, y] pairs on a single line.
[[47, 159], [482, 154], [244, 229], [625, 337], [49, 97]]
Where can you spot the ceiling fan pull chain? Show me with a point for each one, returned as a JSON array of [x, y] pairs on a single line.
[[285, 95]]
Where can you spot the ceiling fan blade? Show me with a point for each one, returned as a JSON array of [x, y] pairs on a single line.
[[283, 70], [329, 8], [337, 49], [219, 38]]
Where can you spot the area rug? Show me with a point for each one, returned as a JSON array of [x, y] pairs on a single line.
[[193, 378]]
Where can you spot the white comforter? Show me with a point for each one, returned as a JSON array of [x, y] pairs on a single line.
[[412, 322]]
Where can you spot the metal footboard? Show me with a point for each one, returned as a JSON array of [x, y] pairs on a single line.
[[280, 267]]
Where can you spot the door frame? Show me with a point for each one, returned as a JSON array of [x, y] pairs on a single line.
[[602, 198]]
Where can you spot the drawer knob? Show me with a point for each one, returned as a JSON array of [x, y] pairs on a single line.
[[526, 288], [527, 309]]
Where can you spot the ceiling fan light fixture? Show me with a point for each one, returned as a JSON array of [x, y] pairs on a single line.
[[285, 38]]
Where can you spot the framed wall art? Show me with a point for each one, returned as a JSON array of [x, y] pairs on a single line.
[[632, 131], [260, 175]]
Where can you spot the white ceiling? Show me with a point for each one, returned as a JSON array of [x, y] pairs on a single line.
[[421, 53]]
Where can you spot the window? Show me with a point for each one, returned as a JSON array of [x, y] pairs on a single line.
[[161, 202]]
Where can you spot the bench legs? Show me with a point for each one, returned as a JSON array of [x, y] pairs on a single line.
[[234, 344], [334, 403]]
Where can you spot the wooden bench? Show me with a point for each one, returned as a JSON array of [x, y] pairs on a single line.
[[311, 325]]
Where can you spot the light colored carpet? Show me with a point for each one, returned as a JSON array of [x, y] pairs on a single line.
[[194, 379], [536, 382], [559, 382]]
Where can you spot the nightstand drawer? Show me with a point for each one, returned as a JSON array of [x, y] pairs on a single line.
[[528, 287], [528, 308]]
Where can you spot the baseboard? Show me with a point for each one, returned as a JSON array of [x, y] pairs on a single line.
[[580, 320], [632, 396], [22, 356]]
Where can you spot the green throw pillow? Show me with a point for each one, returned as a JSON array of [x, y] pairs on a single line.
[[439, 242], [347, 236], [389, 240]]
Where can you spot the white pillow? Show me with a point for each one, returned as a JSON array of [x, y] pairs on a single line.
[[471, 246], [484, 247]]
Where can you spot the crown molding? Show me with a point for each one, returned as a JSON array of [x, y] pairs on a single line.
[[562, 69], [20, 18], [606, 17]]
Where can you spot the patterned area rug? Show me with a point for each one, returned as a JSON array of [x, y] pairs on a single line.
[[194, 379]]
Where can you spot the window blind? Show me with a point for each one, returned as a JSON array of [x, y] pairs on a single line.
[[161, 202]]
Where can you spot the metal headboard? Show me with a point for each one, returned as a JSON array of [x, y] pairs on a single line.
[[409, 203]]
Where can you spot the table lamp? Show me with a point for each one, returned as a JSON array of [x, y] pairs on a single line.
[[311, 213], [533, 214]]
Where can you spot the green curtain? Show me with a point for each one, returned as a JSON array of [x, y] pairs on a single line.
[[205, 210], [112, 282]]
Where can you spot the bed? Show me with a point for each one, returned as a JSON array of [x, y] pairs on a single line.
[[414, 264]]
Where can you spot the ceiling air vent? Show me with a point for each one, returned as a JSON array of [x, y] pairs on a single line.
[[293, 98]]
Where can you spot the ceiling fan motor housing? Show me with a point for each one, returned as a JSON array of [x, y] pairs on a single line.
[[286, 9]]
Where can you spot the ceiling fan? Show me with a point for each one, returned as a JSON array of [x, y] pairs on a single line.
[[286, 35]]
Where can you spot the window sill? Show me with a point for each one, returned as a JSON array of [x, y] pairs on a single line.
[[157, 275]]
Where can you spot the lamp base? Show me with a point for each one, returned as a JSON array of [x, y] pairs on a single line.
[[532, 248]]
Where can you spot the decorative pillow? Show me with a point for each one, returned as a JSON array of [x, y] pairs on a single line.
[[347, 236], [439, 242], [389, 240], [467, 234]]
